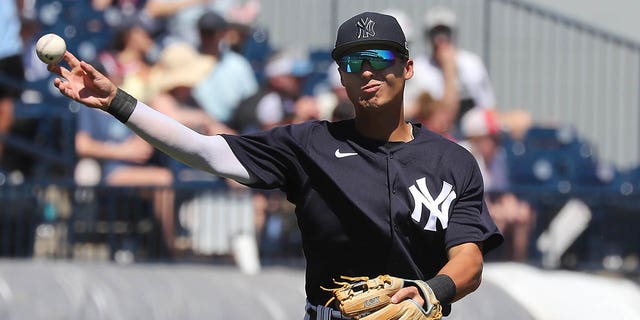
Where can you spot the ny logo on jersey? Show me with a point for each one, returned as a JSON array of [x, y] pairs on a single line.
[[438, 207], [365, 28]]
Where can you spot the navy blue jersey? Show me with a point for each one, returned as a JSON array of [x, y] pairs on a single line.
[[368, 207]]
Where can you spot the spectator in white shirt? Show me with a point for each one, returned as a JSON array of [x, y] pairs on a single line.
[[455, 79]]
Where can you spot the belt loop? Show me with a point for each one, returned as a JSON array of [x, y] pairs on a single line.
[[322, 312]]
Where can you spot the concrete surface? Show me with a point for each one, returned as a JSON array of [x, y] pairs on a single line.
[[33, 289]]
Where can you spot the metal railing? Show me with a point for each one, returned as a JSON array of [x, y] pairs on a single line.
[[103, 222], [124, 224]]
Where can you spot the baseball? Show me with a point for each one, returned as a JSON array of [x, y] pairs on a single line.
[[50, 48]]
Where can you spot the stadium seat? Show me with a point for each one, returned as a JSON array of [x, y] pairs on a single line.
[[257, 49], [534, 170], [562, 138], [556, 158], [317, 80], [626, 183]]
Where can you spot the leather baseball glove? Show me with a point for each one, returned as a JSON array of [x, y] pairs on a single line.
[[367, 299]]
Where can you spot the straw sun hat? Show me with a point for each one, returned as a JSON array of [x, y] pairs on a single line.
[[180, 65]]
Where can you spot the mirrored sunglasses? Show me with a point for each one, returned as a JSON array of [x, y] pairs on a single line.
[[377, 59]]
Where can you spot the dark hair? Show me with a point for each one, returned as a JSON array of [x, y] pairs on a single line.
[[439, 30], [211, 22]]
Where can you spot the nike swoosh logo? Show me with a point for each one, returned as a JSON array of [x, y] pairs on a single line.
[[344, 154]]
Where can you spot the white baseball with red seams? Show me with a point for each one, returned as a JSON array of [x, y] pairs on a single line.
[[50, 48]]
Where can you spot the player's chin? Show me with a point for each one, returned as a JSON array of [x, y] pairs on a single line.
[[370, 101], [368, 104]]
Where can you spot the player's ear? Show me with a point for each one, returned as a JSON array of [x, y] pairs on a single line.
[[408, 69]]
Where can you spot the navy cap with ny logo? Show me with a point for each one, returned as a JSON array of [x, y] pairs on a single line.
[[370, 28]]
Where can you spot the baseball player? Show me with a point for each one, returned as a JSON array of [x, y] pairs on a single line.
[[374, 195]]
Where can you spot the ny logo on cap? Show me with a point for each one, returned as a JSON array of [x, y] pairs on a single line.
[[365, 28]]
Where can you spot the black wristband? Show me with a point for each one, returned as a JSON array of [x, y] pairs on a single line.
[[122, 106], [443, 288]]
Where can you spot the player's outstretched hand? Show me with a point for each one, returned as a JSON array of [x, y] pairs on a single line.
[[83, 83]]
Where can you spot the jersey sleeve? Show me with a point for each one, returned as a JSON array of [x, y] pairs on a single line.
[[470, 220], [272, 157]]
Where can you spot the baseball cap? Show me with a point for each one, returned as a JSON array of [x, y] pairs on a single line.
[[211, 21], [288, 62], [180, 65], [440, 16], [479, 122], [370, 28]]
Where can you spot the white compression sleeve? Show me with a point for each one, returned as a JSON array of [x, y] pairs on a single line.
[[207, 153]]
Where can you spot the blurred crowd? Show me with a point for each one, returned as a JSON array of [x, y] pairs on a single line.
[[209, 65]]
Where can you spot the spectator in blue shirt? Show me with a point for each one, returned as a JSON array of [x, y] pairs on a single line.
[[11, 68], [232, 79]]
